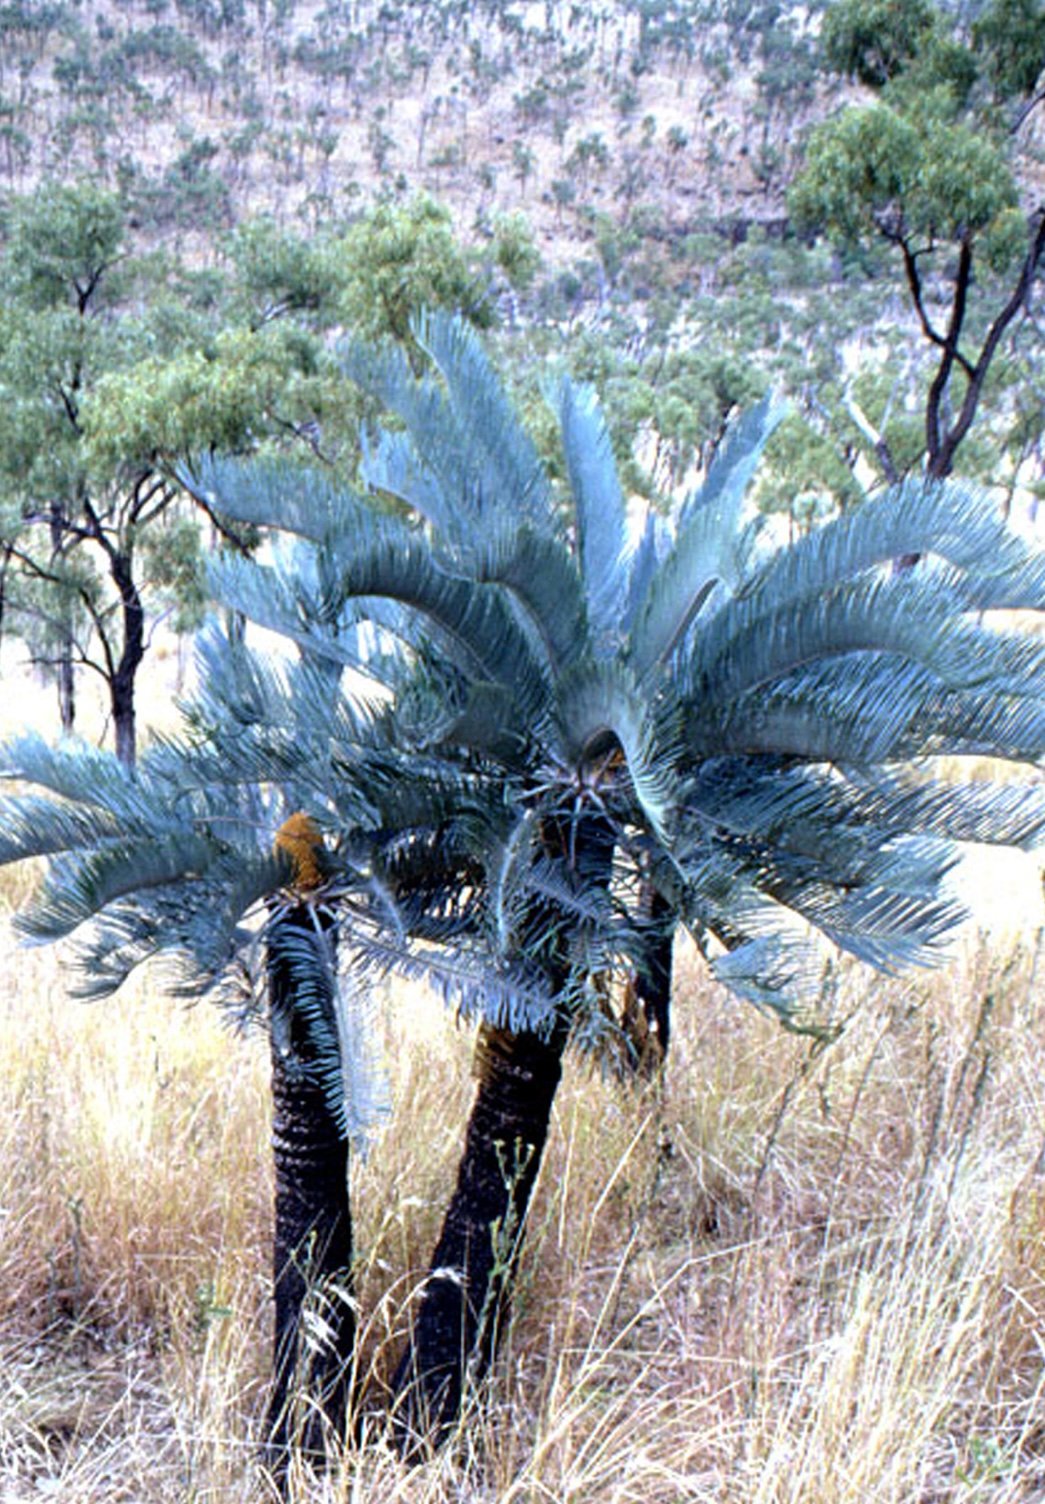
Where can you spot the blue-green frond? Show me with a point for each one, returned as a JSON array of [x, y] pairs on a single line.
[[478, 464], [195, 924], [568, 896], [995, 813], [242, 686], [886, 929], [916, 616], [114, 946], [327, 993], [237, 686], [258, 722], [446, 490], [817, 809], [272, 491], [82, 774], [304, 951], [978, 723], [541, 577], [488, 723], [643, 563], [709, 547], [509, 863], [392, 466], [365, 1092], [301, 597], [598, 508], [501, 451], [785, 975], [952, 522], [267, 596], [77, 887], [733, 467], [512, 995], [475, 627], [411, 791], [34, 825], [863, 709]]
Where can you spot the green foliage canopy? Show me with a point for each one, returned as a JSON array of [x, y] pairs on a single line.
[[925, 169]]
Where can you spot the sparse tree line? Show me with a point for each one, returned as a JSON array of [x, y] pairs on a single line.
[[117, 361], [585, 741]]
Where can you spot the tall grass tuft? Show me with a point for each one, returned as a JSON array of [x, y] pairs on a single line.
[[781, 1276]]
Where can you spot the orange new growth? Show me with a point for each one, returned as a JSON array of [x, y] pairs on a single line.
[[301, 839]]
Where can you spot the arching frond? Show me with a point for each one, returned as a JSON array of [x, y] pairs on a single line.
[[542, 579], [87, 776], [598, 508], [81, 886], [788, 804], [272, 491], [916, 617], [706, 551], [475, 626], [952, 523], [32, 825], [478, 463], [783, 974], [499, 448], [978, 723], [859, 709]]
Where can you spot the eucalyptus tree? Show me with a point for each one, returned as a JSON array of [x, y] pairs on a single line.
[[931, 170], [113, 365], [560, 720]]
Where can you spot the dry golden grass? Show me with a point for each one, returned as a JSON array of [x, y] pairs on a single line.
[[789, 1276]]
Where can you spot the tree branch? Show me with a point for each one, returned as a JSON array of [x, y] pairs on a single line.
[[219, 525], [938, 387], [1020, 295], [914, 283], [874, 437], [1027, 109]]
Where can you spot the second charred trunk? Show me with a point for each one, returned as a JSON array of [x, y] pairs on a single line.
[[466, 1294], [465, 1300]]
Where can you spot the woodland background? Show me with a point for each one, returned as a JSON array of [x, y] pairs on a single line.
[[788, 1275]]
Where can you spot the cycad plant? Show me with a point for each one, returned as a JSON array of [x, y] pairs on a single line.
[[557, 743]]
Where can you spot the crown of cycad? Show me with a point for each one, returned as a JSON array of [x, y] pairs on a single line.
[[747, 724]]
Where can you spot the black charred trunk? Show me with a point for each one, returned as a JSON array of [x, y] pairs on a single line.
[[312, 1246], [465, 1299]]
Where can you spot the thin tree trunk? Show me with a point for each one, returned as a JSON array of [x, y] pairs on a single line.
[[465, 1298], [66, 675], [122, 684], [66, 687], [312, 1246]]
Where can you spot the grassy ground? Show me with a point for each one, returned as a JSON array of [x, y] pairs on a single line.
[[789, 1276]]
